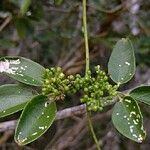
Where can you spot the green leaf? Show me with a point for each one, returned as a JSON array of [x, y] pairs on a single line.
[[35, 120], [22, 69], [13, 98], [121, 65], [128, 120], [25, 6], [141, 94], [23, 26]]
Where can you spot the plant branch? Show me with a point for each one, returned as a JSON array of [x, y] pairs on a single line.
[[92, 131], [68, 112], [62, 114], [87, 68], [5, 23], [85, 35]]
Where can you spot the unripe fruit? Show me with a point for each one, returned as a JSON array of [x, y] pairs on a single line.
[[66, 88], [95, 108], [71, 77], [58, 69], [95, 88], [61, 75], [47, 70], [92, 95], [85, 89], [47, 81]]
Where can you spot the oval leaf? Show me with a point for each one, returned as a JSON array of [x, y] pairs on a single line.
[[23, 26], [121, 65], [13, 98], [25, 6], [35, 120], [22, 69], [128, 120], [141, 94]]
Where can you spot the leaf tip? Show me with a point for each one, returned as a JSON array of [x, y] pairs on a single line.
[[19, 141], [124, 39]]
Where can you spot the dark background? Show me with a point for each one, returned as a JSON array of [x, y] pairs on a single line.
[[50, 33]]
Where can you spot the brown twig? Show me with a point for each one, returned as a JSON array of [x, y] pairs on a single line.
[[77, 110], [68, 112], [8, 125], [5, 23]]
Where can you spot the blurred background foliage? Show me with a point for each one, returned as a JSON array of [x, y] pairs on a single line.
[[50, 33]]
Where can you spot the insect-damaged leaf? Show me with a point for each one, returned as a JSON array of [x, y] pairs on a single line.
[[35, 120], [13, 97], [22, 69], [141, 94], [121, 65], [128, 120]]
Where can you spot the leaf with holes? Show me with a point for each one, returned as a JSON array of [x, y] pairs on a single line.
[[121, 65], [35, 120], [13, 97], [128, 120], [141, 94], [22, 69]]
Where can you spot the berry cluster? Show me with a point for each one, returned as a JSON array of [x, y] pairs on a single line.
[[54, 83], [96, 90]]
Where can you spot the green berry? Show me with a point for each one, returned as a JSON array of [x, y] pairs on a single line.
[[58, 69], [47, 81], [44, 89], [47, 70], [71, 77], [94, 108], [78, 76], [61, 75], [96, 86], [66, 88], [92, 94], [85, 89], [82, 100], [105, 78]]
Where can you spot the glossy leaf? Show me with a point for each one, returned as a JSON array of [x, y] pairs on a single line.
[[13, 98], [141, 94], [128, 120], [22, 69], [121, 65], [35, 120], [25, 6]]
